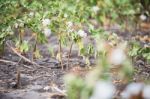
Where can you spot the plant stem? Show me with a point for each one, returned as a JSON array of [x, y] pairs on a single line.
[[34, 49], [20, 37], [69, 55], [60, 53]]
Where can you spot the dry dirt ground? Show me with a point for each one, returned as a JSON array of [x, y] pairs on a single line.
[[43, 82]]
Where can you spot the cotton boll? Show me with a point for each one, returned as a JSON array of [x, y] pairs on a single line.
[[21, 24], [146, 92], [69, 27], [70, 30], [82, 33], [31, 14], [95, 9], [47, 32], [132, 90], [117, 56], [69, 24], [65, 15], [16, 25], [143, 17], [46, 22], [103, 90]]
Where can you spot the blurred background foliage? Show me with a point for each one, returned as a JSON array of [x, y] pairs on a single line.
[[15, 9], [21, 14], [79, 10]]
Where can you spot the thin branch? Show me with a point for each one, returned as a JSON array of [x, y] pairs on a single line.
[[7, 61], [14, 63], [59, 90], [26, 59], [60, 52]]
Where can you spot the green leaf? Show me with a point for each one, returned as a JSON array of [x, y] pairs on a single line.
[[24, 47]]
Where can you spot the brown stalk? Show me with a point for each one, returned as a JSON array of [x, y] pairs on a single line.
[[18, 82], [69, 54], [60, 53], [23, 57], [34, 49], [11, 62]]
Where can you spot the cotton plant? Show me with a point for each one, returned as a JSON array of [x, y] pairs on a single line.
[[71, 39], [22, 45], [80, 35], [63, 34], [41, 35], [27, 21], [40, 28], [76, 35], [86, 48], [45, 32]]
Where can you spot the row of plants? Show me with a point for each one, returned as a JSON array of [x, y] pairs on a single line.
[[62, 18], [44, 17]]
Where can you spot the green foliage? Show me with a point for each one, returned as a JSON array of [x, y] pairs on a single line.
[[135, 47], [137, 50], [30, 13], [74, 84], [24, 46]]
